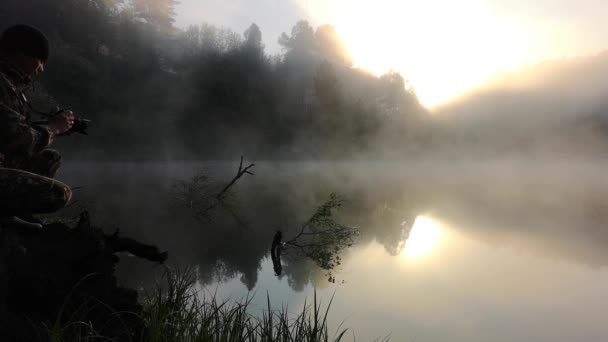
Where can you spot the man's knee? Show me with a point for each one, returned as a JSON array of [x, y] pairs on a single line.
[[62, 195]]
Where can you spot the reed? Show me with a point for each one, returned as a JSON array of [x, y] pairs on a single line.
[[175, 311]]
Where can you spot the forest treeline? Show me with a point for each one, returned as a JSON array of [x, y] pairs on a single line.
[[157, 92]]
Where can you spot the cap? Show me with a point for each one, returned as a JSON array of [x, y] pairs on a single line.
[[25, 39]]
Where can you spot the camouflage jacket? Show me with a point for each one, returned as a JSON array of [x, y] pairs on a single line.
[[19, 139]]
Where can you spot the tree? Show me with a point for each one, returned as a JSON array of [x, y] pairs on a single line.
[[321, 239], [302, 38], [253, 48], [331, 47], [392, 93], [326, 86], [253, 37], [159, 13], [218, 40]]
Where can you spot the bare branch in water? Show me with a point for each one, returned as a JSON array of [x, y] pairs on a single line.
[[197, 194], [242, 171]]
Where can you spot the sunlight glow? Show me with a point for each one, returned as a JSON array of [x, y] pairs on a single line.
[[423, 238], [442, 47]]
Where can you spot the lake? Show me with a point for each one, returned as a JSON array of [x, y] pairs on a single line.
[[505, 250]]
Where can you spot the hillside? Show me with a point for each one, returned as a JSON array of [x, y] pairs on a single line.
[[553, 108]]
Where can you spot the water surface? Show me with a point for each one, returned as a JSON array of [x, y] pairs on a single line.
[[449, 251]]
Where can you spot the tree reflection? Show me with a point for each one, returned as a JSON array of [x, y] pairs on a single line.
[[222, 249]]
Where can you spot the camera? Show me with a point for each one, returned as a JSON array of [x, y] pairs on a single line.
[[80, 126]]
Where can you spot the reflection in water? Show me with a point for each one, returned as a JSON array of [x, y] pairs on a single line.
[[511, 253], [423, 238]]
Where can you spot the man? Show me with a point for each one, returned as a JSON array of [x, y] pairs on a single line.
[[27, 167]]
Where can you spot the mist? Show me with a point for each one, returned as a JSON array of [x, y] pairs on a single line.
[[511, 172], [555, 109], [211, 93]]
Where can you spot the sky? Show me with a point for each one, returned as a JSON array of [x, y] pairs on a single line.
[[443, 47]]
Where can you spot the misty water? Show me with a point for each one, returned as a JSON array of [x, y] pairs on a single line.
[[509, 250]]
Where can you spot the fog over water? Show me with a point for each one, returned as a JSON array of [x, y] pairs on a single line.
[[481, 219], [498, 250]]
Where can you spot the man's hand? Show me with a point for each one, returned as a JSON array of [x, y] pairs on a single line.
[[61, 122]]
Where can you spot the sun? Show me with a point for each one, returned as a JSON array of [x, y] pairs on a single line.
[[423, 238], [443, 47]]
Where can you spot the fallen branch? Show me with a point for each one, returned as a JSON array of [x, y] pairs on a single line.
[[219, 198], [196, 194], [275, 252], [242, 171], [320, 239]]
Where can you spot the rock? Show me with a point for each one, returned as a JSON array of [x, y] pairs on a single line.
[[63, 275]]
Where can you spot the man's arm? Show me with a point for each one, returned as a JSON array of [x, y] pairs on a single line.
[[16, 134]]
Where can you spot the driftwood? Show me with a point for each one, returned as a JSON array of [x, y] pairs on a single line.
[[63, 275]]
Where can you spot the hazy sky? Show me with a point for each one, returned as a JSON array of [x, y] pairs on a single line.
[[444, 47]]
